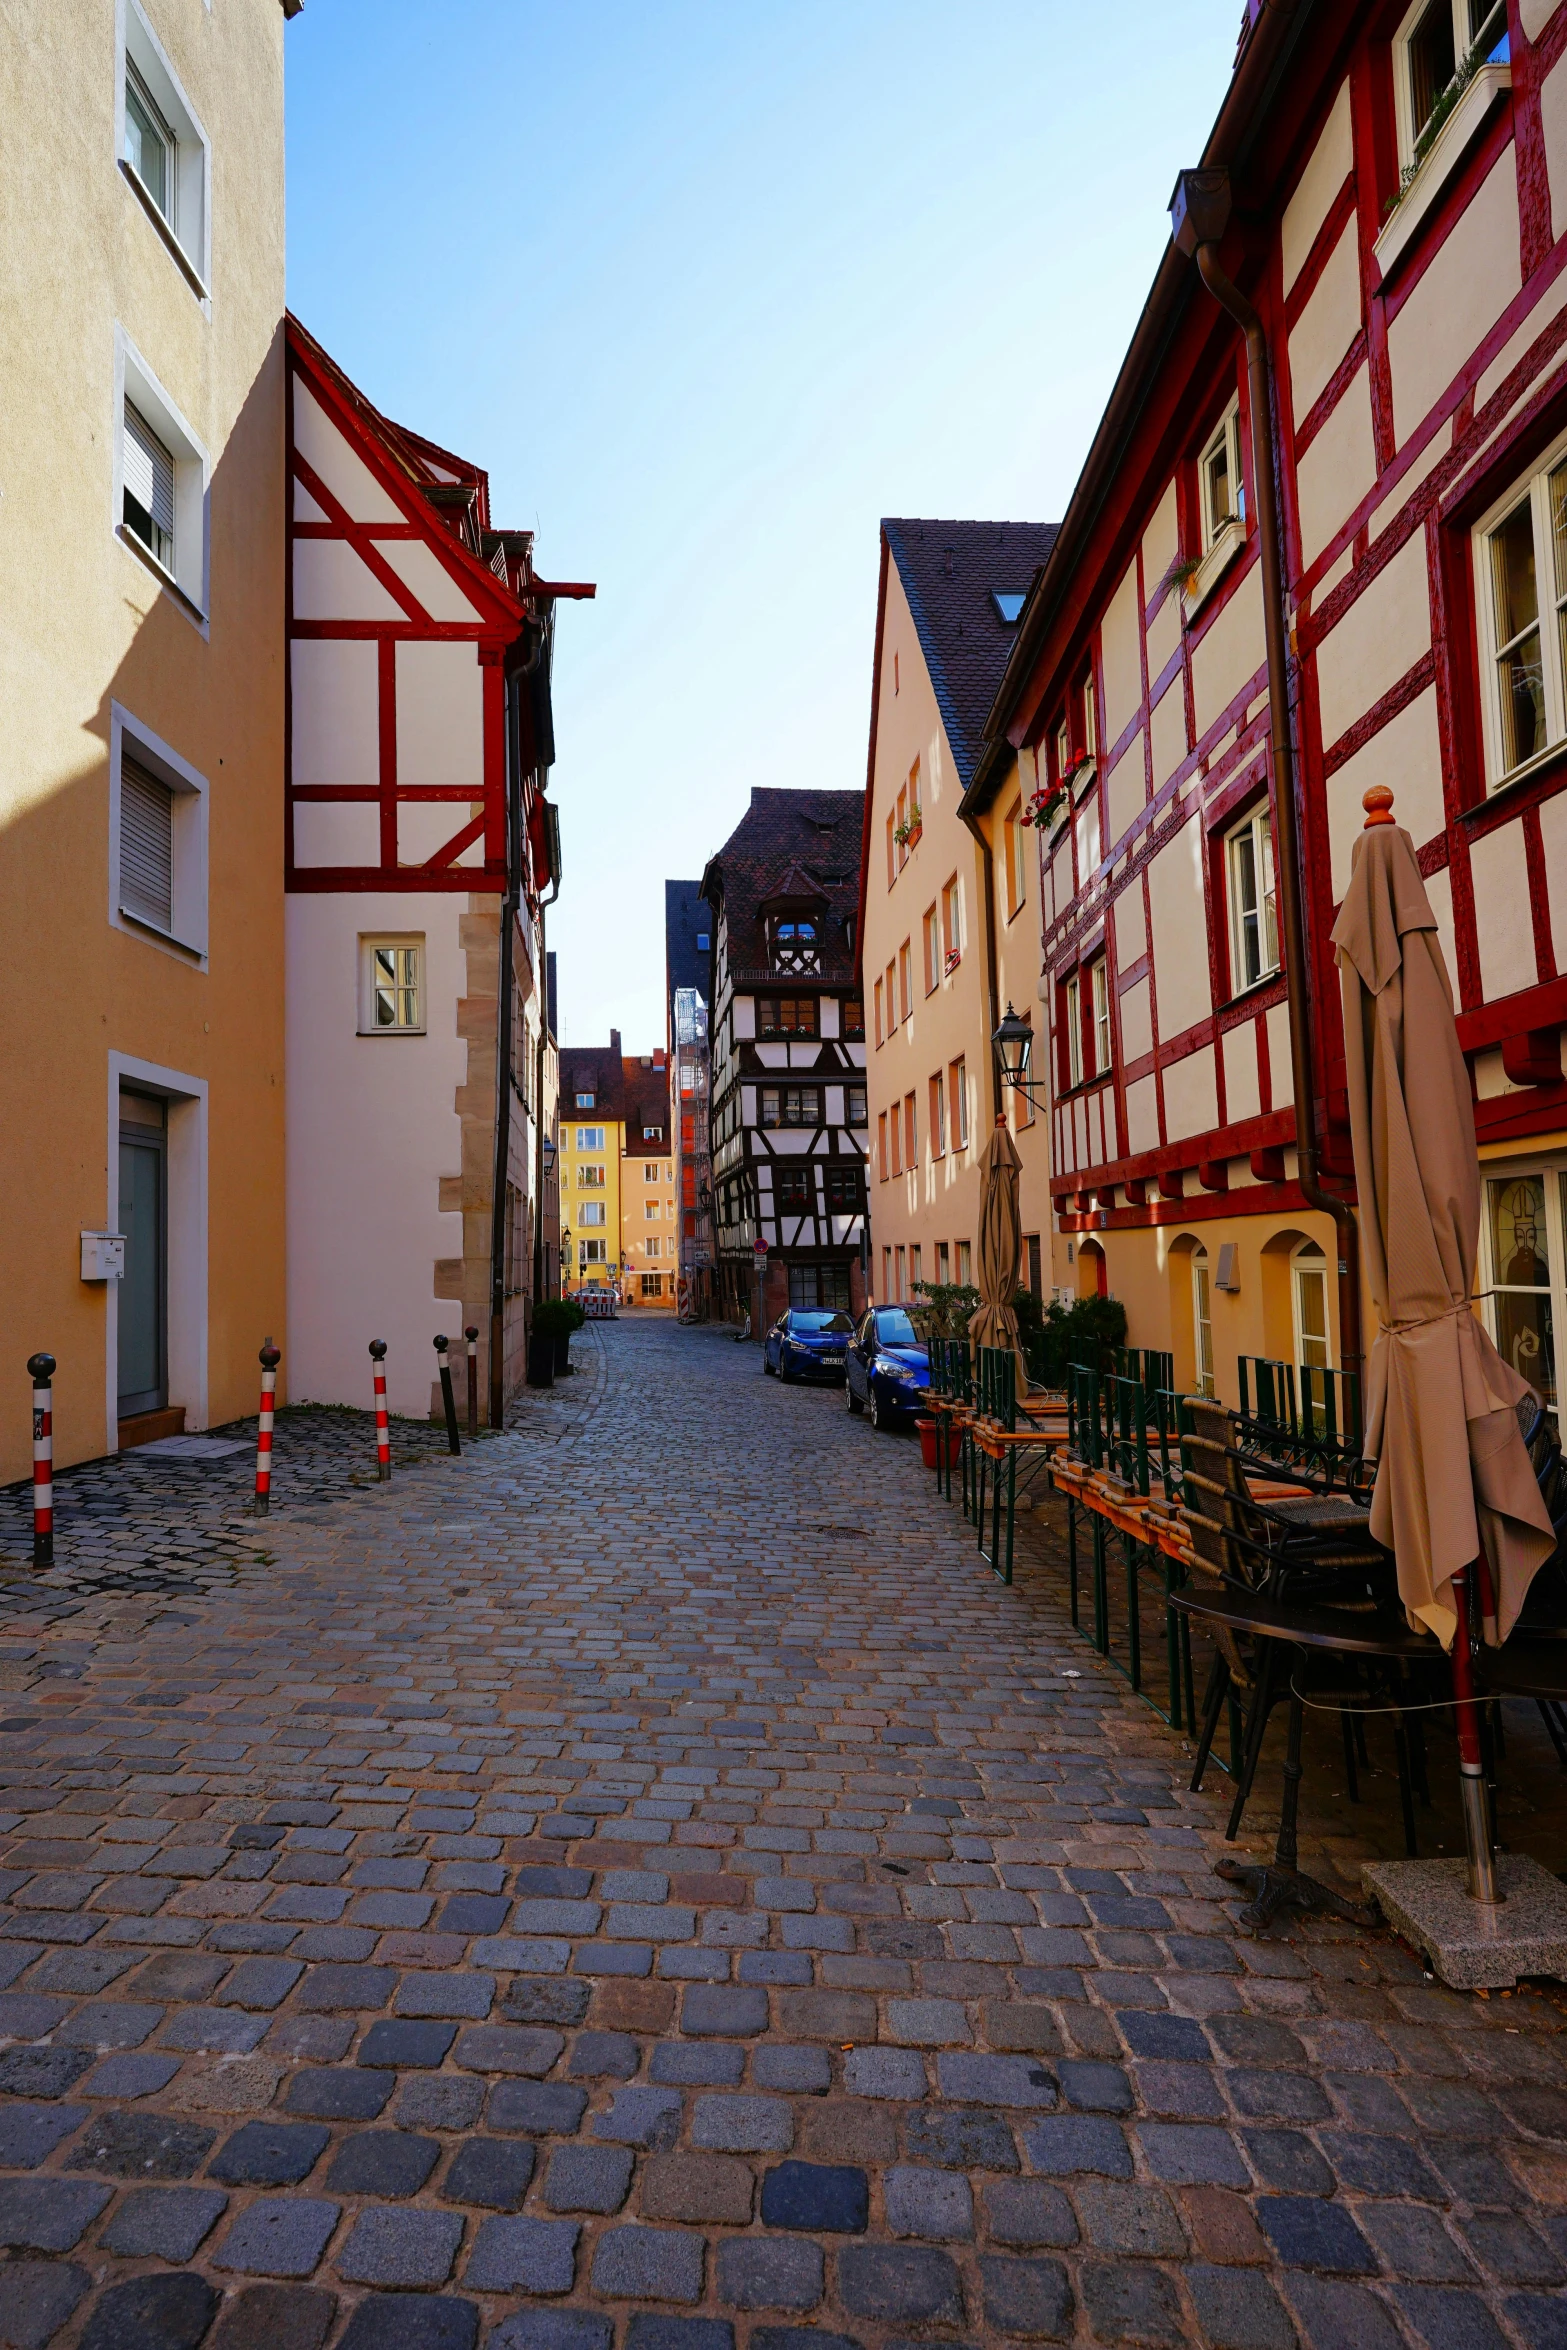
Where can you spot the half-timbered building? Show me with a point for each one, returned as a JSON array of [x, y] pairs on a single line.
[[419, 854], [787, 1042], [1385, 196]]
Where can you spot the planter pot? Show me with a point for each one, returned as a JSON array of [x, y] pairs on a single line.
[[563, 1354], [930, 1438], [541, 1362]]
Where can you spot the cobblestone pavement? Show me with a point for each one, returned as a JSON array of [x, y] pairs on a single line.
[[646, 1883]]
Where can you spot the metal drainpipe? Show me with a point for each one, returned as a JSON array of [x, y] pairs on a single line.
[[503, 1075], [1287, 863], [992, 977]]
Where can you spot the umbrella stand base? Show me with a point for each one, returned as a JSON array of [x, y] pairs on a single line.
[[1274, 1890], [1473, 1945]]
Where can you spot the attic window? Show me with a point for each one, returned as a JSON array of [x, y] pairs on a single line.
[[586, 1101], [703, 941], [1009, 607]]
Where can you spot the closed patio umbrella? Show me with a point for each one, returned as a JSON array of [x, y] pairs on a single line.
[[1453, 1478], [994, 1323]]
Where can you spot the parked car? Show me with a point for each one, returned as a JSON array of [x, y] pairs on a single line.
[[805, 1343], [885, 1365]]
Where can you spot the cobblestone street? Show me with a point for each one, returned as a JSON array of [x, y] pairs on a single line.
[[645, 1882]]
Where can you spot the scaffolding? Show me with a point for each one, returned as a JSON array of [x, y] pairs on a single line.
[[693, 1158]]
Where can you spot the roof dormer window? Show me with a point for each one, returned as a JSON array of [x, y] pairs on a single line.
[[795, 942]]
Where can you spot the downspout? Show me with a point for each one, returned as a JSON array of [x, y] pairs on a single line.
[[992, 974], [1200, 213], [509, 904], [538, 1090]]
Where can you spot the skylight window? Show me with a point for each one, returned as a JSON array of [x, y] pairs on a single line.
[[1009, 608]]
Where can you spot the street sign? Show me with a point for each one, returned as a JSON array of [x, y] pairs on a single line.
[[759, 1251]]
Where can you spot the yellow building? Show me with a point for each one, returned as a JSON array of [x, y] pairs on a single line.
[[592, 1142], [649, 1234], [141, 885]]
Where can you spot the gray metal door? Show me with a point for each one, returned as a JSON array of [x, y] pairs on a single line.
[[143, 1309]]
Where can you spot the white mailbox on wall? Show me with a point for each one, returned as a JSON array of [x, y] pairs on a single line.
[[103, 1256]]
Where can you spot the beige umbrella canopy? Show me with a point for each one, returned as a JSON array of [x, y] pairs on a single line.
[[1000, 1246], [1453, 1477]]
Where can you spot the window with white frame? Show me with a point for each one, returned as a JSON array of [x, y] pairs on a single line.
[[1099, 984], [592, 1211], [1254, 922], [161, 478], [1523, 1232], [587, 1101], [1220, 481], [957, 1105], [592, 1252], [650, 1210], [1436, 52], [590, 1138], [164, 152], [1072, 1014], [1309, 1298], [157, 839], [1202, 1323], [1521, 594], [1016, 837], [391, 998]]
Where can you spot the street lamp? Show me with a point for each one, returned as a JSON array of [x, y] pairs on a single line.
[[1014, 1049], [547, 1154]]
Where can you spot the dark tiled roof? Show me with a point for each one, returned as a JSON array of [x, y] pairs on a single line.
[[645, 1093], [596, 1069], [951, 572], [792, 837]]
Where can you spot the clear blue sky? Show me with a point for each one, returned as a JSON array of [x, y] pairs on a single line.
[[709, 289]]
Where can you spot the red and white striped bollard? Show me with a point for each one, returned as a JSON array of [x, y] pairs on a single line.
[[383, 1433], [41, 1371], [472, 1336], [270, 1358]]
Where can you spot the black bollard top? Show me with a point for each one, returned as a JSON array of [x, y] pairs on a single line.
[[440, 1344], [378, 1347], [41, 1369], [472, 1334], [271, 1356]]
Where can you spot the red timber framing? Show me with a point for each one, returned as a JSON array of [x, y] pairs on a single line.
[[1438, 456], [421, 496]]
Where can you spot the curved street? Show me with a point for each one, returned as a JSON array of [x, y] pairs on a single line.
[[647, 1881]]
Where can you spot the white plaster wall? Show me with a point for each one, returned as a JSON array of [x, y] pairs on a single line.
[[1180, 936], [1331, 161], [1242, 1083], [1168, 729], [372, 1128], [1337, 470], [1504, 934], [341, 467], [1553, 839], [1407, 757], [1379, 639], [1127, 788], [1328, 324], [1136, 1022], [1131, 931], [1191, 1095], [1230, 652], [1458, 300], [440, 715], [1142, 1116], [1120, 634]]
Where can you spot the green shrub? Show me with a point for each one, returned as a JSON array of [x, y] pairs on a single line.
[[1087, 1331], [577, 1312], [946, 1311], [556, 1317]]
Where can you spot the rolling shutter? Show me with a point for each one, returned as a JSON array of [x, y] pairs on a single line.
[[146, 846], [149, 472]]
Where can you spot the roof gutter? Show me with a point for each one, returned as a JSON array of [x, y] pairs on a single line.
[[1275, 28]]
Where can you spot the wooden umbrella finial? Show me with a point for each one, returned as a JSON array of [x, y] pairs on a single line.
[[1378, 804]]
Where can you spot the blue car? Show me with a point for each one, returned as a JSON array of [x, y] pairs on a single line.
[[805, 1343], [885, 1366]]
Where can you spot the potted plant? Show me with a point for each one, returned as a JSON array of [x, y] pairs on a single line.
[[555, 1318], [908, 832]]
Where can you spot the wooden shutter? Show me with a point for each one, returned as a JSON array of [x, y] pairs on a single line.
[[146, 846], [149, 471]]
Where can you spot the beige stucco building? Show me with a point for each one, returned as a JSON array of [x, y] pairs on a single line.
[[141, 902], [949, 918]]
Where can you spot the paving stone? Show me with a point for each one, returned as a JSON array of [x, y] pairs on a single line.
[[1335, 2316], [761, 2272], [164, 2223], [885, 2072], [508, 2048], [269, 2154], [1287, 2159], [638, 2117], [151, 2313], [965, 2140], [110, 2023], [382, 2162], [1414, 2243], [934, 2204], [817, 2198], [278, 2236], [40, 2295], [1537, 2320], [1117, 2217], [1094, 2088], [697, 2187], [995, 2080], [388, 2321], [276, 2317], [141, 2146], [743, 2125], [1069, 2143], [588, 2178], [362, 1988], [26, 2016], [468, 1996], [492, 2172], [1308, 2233], [551, 2329], [42, 2072], [405, 2046], [647, 2264], [720, 2010], [1027, 2211], [649, 2332], [182, 1974], [1510, 2248], [803, 2070], [547, 2003], [1448, 2320], [1237, 2309], [405, 2248], [47, 2215], [603, 2056], [710, 2065], [905, 2282], [1192, 2155], [215, 2030], [140, 2074], [1130, 2302], [1027, 2298], [347, 2093]]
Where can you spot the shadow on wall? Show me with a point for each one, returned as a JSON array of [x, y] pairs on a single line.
[[161, 965]]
